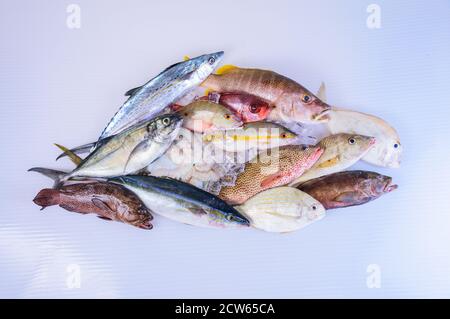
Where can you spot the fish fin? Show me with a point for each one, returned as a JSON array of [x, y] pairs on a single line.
[[346, 197], [47, 197], [328, 163], [140, 147], [186, 57], [132, 91], [79, 150], [101, 204], [224, 69], [197, 210], [104, 218], [271, 180], [322, 92], [73, 157], [176, 107], [57, 176]]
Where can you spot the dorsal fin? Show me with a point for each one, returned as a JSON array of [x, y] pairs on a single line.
[[186, 57], [132, 91], [225, 69], [322, 92], [73, 157]]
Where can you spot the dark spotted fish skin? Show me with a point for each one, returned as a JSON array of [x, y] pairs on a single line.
[[348, 188], [109, 201]]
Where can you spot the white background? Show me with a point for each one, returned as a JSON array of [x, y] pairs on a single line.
[[63, 85]]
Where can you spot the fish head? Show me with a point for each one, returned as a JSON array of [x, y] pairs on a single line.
[[202, 66], [308, 108], [249, 107], [392, 153], [349, 146], [382, 184], [165, 127], [226, 119], [312, 209]]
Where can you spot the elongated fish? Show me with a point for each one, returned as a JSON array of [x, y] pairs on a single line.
[[293, 102], [340, 152], [348, 188], [127, 152], [108, 201], [149, 100], [282, 209], [182, 202], [277, 168]]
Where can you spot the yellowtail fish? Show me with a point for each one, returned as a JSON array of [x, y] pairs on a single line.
[[292, 102], [257, 135], [282, 209], [277, 168], [340, 152]]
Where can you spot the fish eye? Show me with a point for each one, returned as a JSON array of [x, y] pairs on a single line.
[[306, 98], [314, 207], [396, 145], [229, 217], [283, 135], [227, 116], [166, 121], [304, 148], [211, 60], [254, 108], [186, 113], [351, 141]]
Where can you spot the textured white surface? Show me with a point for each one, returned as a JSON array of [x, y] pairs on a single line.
[[62, 85]]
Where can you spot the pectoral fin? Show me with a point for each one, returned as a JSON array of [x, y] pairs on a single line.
[[141, 147], [329, 163], [101, 204], [104, 218], [197, 211], [271, 180], [347, 197]]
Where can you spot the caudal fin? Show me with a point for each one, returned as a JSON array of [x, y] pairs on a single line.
[[58, 176], [47, 197]]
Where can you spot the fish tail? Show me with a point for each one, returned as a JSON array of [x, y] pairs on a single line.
[[57, 176], [47, 197], [78, 150], [73, 157]]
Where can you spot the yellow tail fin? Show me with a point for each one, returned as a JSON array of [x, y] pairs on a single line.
[[73, 157]]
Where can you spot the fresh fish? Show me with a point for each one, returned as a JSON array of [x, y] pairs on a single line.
[[149, 100], [129, 151], [341, 152], [386, 151], [258, 135], [182, 202], [248, 107], [277, 168], [293, 103], [108, 201], [205, 116], [282, 209], [348, 188]]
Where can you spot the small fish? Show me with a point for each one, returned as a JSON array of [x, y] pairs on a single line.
[[340, 152], [348, 188], [277, 168], [293, 102], [205, 116], [149, 100], [258, 135], [248, 107], [387, 150], [282, 209], [108, 201], [127, 152], [181, 201]]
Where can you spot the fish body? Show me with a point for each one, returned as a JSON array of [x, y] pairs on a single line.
[[293, 102], [108, 201], [169, 86], [278, 168], [258, 135], [385, 152], [248, 107], [204, 116], [282, 209], [340, 152], [182, 202], [348, 188]]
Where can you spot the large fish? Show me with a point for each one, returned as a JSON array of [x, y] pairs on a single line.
[[282, 209], [149, 100], [277, 168], [108, 201], [127, 152], [182, 202], [386, 151], [258, 135], [293, 102], [340, 152], [348, 188]]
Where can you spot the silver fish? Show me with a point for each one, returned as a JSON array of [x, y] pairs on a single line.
[[127, 152], [170, 85]]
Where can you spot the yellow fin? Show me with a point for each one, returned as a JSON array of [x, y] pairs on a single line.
[[331, 162], [73, 157], [186, 57], [207, 91], [225, 69]]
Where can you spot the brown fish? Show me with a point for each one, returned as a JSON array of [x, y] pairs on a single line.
[[348, 188], [108, 201], [293, 102], [277, 168]]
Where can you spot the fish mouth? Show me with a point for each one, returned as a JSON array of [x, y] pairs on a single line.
[[322, 116], [390, 187], [372, 141]]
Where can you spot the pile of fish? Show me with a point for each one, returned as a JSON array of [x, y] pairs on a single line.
[[226, 149]]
